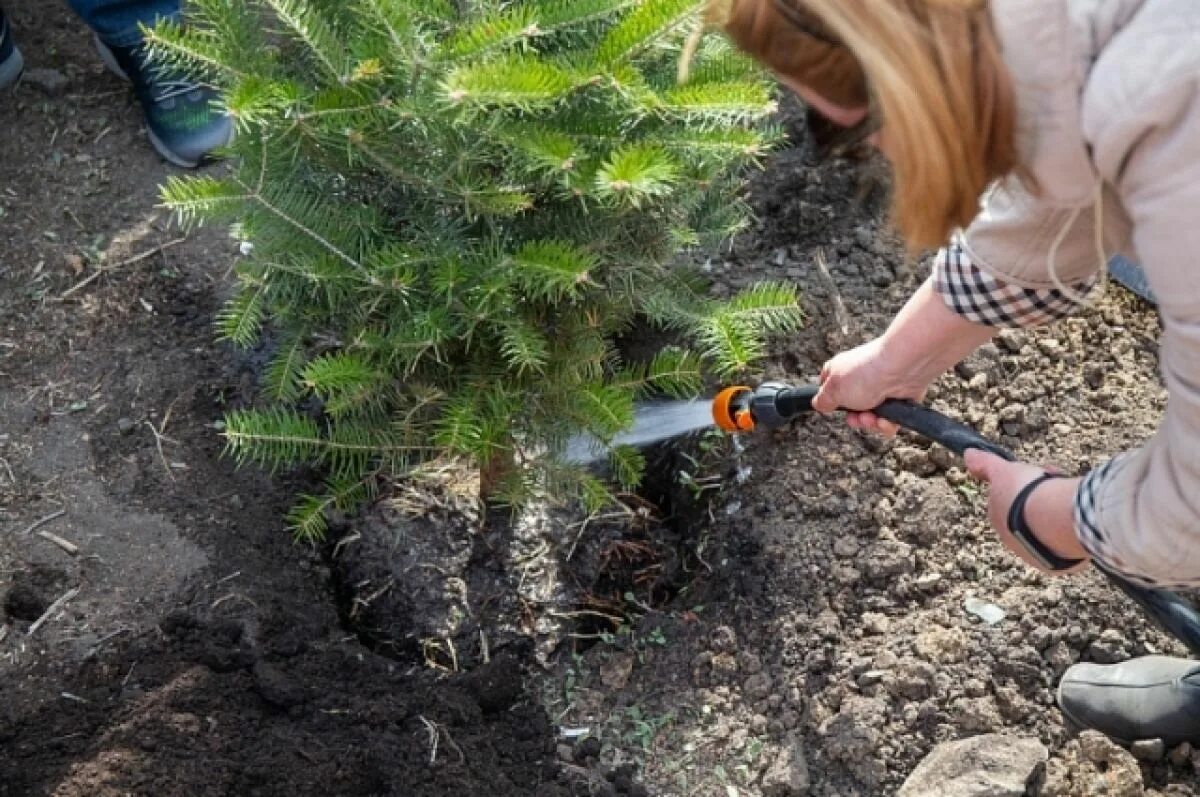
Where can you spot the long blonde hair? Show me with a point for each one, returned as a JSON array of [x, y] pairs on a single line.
[[934, 72]]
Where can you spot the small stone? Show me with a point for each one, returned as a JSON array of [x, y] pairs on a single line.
[[1098, 748], [875, 623], [1010, 340], [1110, 648], [1013, 707], [1041, 637], [886, 477], [757, 687], [1050, 347], [787, 775], [1013, 413], [845, 547], [1122, 776], [870, 678], [588, 747], [827, 624], [50, 82], [724, 664], [942, 645], [990, 613], [749, 662], [1152, 750], [1181, 755], [976, 715], [941, 457], [846, 575], [853, 733], [888, 558], [616, 669], [275, 687], [992, 765], [912, 679], [928, 580], [914, 460], [125, 425], [724, 639]]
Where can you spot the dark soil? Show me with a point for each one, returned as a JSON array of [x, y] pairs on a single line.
[[203, 653]]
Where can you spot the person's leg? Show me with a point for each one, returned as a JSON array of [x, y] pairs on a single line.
[[118, 22], [183, 119], [11, 63]]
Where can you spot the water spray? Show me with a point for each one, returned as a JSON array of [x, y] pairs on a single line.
[[741, 409]]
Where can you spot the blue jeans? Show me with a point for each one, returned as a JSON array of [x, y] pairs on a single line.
[[117, 21]]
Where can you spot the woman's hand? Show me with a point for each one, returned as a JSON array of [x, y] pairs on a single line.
[[1049, 511], [861, 379], [923, 340]]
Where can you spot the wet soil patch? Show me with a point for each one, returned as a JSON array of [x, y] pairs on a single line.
[[426, 577]]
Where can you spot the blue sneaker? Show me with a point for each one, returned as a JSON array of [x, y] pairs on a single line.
[[11, 62], [183, 120]]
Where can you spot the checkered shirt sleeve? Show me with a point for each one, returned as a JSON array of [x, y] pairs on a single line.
[[981, 298], [1087, 528]]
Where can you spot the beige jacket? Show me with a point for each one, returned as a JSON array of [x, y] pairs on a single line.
[[1109, 100]]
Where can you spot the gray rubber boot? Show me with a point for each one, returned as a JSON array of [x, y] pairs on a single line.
[[1153, 697]]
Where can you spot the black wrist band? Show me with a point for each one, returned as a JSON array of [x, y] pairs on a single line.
[[1019, 527]]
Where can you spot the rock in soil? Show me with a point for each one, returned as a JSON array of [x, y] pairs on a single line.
[[50, 82], [787, 775], [275, 687], [1148, 750], [993, 765], [1093, 766], [853, 733]]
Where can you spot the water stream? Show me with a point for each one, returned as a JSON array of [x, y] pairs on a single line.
[[653, 422]]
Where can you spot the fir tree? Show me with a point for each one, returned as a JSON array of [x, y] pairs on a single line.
[[456, 208]]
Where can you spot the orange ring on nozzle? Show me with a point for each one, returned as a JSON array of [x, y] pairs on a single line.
[[724, 414]]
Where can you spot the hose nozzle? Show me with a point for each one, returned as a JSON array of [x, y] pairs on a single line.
[[770, 405]]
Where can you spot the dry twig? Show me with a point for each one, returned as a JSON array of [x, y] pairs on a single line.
[[66, 545], [54, 607], [232, 596], [32, 527], [434, 735], [436, 732], [840, 315], [129, 261], [160, 434]]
